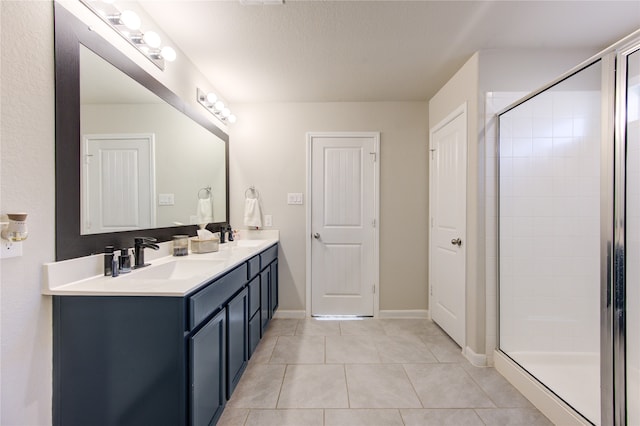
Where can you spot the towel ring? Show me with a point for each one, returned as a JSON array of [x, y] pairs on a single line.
[[207, 193], [251, 191]]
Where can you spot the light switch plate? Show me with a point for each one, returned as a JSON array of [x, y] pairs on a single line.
[[295, 198], [10, 249], [268, 220], [166, 199]]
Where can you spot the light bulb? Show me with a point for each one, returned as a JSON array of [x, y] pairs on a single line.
[[168, 54], [219, 106], [232, 119], [211, 98], [130, 19], [226, 112], [152, 39]]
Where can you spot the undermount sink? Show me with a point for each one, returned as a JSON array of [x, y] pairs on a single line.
[[250, 243], [178, 270]]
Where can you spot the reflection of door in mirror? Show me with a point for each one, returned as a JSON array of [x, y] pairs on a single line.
[[118, 183]]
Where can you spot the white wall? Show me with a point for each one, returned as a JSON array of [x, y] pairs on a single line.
[[27, 184], [268, 150]]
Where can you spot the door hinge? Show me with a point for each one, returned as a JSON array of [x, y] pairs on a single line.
[[430, 290], [432, 152], [373, 223], [374, 156], [374, 289], [87, 158]]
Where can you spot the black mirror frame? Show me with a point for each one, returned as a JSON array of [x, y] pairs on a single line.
[[70, 32]]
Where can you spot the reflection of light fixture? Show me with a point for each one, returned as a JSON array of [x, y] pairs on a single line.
[[127, 23], [215, 106]]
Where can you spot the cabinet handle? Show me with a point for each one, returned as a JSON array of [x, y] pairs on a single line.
[[456, 242], [316, 236]]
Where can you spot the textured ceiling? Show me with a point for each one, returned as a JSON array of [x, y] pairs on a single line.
[[309, 51]]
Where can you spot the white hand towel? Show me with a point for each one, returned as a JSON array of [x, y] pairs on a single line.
[[252, 213], [205, 210]]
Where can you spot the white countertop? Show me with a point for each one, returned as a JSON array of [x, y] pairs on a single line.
[[85, 277]]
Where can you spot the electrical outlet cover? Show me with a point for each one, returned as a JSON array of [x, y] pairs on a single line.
[[10, 249]]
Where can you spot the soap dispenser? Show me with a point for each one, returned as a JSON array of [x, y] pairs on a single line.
[[125, 261]]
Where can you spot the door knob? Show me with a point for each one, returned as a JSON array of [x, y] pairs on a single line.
[[316, 236], [456, 242]]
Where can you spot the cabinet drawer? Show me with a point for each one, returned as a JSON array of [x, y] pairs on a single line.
[[206, 301], [268, 256], [254, 296], [254, 267]]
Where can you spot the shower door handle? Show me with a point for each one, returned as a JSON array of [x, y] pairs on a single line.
[[456, 242]]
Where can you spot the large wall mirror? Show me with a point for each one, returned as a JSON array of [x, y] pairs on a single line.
[[132, 159]]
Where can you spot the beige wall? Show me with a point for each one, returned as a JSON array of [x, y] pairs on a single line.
[[27, 184], [268, 150]]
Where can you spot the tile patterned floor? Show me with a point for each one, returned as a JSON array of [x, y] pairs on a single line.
[[370, 372]]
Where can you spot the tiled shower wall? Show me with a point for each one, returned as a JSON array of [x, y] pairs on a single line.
[[550, 224]]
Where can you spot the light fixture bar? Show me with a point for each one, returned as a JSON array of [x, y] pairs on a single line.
[[127, 23], [215, 106]]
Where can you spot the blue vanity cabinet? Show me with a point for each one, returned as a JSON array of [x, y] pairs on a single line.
[[237, 338], [268, 284], [273, 288], [265, 279], [119, 361], [158, 360], [255, 325], [207, 373]]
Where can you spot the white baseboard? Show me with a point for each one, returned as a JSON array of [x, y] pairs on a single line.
[[550, 405], [289, 314], [414, 313], [409, 313], [477, 360]]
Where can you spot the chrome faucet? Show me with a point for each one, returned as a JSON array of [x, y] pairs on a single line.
[[138, 251]]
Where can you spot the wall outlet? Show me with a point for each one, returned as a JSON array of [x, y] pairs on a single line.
[[10, 249], [268, 220]]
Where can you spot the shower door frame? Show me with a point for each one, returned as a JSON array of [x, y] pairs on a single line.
[[612, 224], [619, 302]]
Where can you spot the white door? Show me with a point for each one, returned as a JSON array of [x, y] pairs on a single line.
[[343, 233], [447, 209], [118, 183]]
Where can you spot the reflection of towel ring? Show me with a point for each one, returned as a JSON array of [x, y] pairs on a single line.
[[207, 193], [251, 191]]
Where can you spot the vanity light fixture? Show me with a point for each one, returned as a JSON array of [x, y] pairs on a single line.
[[127, 23], [215, 106]]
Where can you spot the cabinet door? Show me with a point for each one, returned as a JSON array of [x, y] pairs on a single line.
[[237, 338], [208, 371], [273, 289], [264, 296]]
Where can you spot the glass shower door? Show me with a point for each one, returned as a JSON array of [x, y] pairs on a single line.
[[549, 242]]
